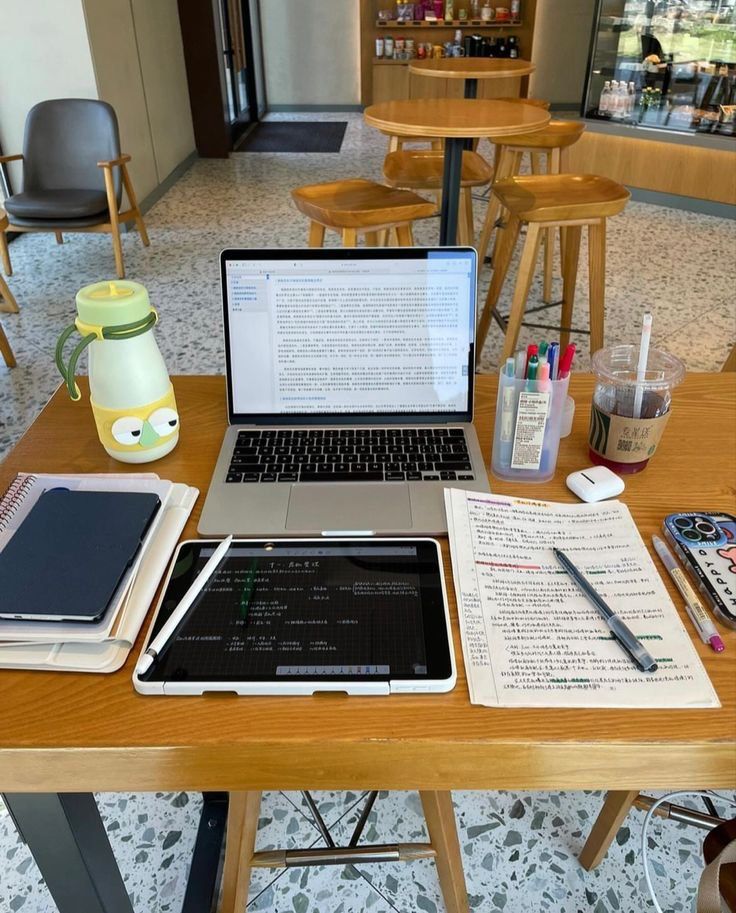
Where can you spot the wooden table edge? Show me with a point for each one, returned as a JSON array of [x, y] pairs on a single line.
[[393, 128], [373, 764], [423, 68]]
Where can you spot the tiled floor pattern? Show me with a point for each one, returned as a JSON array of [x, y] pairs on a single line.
[[519, 853], [519, 849]]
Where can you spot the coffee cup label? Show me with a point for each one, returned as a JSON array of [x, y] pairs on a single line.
[[622, 438]]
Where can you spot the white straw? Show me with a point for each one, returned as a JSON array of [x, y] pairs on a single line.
[[641, 368]]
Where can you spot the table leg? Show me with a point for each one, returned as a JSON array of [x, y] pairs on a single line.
[[471, 91], [440, 817], [67, 838], [451, 191]]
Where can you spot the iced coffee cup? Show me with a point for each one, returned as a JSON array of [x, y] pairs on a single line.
[[628, 416]]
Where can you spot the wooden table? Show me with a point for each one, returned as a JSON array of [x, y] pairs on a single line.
[[456, 120], [69, 732], [471, 69]]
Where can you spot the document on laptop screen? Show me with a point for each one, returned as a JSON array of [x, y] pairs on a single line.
[[342, 336]]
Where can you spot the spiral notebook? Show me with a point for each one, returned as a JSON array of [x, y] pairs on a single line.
[[103, 647]]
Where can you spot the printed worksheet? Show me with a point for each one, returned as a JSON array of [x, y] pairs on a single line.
[[532, 639]]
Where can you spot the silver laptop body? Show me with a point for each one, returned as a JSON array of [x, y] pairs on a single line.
[[349, 391]]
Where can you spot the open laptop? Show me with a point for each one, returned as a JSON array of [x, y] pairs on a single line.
[[349, 391]]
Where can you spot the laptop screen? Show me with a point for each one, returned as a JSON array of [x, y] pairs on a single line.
[[342, 335]]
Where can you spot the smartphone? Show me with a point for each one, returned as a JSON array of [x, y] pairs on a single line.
[[705, 542]]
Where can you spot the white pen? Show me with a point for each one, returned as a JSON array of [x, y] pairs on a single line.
[[177, 616], [694, 607]]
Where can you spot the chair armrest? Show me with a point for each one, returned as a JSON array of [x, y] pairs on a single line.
[[10, 158], [120, 160]]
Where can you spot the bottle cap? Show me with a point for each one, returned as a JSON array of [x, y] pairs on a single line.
[[113, 303]]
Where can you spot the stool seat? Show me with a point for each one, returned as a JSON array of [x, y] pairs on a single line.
[[360, 204], [561, 197], [422, 169], [558, 134]]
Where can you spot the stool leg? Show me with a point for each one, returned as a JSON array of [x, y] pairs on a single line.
[[462, 225], [240, 842], [316, 234], [508, 235], [59, 237], [372, 239], [597, 282], [609, 820], [5, 350], [470, 224], [440, 817], [5, 253], [7, 301], [521, 292], [349, 237], [571, 247], [394, 144], [515, 169], [504, 159], [404, 235]]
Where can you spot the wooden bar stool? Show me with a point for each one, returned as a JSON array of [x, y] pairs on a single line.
[[422, 169], [241, 858], [360, 207], [5, 350], [547, 149], [551, 201]]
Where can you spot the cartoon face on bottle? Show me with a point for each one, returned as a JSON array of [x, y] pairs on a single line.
[[140, 428]]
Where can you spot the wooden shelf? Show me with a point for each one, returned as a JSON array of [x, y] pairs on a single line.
[[447, 24]]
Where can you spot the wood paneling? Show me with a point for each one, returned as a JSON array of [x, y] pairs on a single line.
[[692, 171], [67, 731]]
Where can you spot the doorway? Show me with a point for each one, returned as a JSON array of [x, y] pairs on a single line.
[[239, 64]]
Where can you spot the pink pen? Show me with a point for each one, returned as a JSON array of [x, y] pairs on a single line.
[[544, 384]]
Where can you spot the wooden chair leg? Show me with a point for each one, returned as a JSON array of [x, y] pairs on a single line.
[[404, 235], [549, 261], [372, 239], [349, 237], [5, 253], [521, 290], [509, 236], [112, 205], [597, 282], [7, 301], [59, 237], [316, 234], [133, 200], [462, 222], [571, 246], [615, 808], [240, 842], [504, 158], [394, 144], [468, 215], [440, 817], [5, 350], [514, 168]]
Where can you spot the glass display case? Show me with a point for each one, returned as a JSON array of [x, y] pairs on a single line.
[[665, 64]]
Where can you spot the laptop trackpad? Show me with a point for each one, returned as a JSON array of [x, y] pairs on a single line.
[[322, 506]]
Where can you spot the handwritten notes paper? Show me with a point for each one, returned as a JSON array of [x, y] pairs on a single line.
[[531, 639]]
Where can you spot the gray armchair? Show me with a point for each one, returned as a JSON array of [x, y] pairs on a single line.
[[73, 174]]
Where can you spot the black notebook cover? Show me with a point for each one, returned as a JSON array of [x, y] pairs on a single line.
[[71, 552]]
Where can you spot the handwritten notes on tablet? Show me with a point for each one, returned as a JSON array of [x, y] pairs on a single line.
[[531, 638]]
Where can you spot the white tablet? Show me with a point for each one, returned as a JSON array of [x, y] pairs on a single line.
[[363, 616]]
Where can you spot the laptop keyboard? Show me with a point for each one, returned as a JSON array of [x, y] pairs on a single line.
[[351, 455]]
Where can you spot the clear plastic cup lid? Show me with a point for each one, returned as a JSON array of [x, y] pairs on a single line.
[[617, 365]]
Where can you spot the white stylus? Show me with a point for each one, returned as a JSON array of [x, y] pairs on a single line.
[[177, 616]]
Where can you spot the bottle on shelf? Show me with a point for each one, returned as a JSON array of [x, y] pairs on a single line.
[[513, 45], [501, 48], [604, 102], [475, 9], [449, 10], [632, 99]]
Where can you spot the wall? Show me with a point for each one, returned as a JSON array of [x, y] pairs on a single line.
[[44, 54], [139, 65], [561, 42], [311, 51]]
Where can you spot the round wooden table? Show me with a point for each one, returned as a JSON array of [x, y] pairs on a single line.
[[455, 120], [471, 69]]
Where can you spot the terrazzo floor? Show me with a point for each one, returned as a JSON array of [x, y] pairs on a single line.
[[519, 850]]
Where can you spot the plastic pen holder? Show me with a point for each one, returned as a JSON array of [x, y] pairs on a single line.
[[526, 436]]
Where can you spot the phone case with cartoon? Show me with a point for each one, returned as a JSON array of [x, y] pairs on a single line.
[[705, 542]]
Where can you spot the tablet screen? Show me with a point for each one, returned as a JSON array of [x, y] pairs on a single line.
[[281, 611]]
